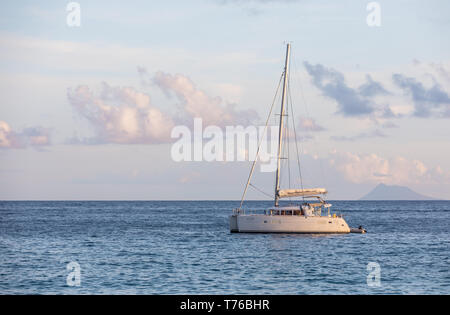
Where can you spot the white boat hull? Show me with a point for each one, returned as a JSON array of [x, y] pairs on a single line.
[[260, 223]]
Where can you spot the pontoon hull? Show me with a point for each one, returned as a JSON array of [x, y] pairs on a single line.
[[259, 223]]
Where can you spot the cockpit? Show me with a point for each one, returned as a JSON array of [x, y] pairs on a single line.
[[306, 209]]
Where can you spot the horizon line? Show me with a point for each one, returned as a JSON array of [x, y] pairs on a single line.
[[202, 200]]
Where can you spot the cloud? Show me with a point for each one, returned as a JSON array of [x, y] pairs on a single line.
[[389, 124], [196, 103], [441, 70], [372, 168], [189, 177], [121, 115], [351, 102], [257, 1], [33, 136], [255, 7], [371, 88], [428, 102], [364, 135], [309, 124], [124, 115]]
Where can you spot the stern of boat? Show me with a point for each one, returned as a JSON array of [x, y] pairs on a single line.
[[233, 224]]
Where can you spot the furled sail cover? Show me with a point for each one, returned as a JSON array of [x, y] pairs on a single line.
[[283, 193]]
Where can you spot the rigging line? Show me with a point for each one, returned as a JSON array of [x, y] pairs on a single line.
[[309, 117], [288, 136], [264, 193], [260, 141], [277, 100], [296, 142], [306, 105], [288, 144], [285, 158]]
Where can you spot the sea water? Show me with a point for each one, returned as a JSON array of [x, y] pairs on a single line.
[[185, 247]]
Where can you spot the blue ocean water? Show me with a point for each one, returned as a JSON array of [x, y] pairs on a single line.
[[184, 247]]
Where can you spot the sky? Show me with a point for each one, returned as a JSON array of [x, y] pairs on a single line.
[[86, 112]]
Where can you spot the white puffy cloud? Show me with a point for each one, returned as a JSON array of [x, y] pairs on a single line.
[[364, 168], [121, 115], [33, 136], [126, 116], [6, 135], [196, 103]]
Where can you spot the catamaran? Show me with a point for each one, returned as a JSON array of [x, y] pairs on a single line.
[[311, 215]]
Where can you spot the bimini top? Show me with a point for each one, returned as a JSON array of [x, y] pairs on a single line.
[[284, 193]]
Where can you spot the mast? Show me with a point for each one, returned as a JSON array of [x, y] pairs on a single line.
[[280, 133]]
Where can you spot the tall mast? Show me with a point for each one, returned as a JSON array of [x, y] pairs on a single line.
[[280, 133]]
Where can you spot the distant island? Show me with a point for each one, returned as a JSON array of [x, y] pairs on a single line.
[[387, 192]]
